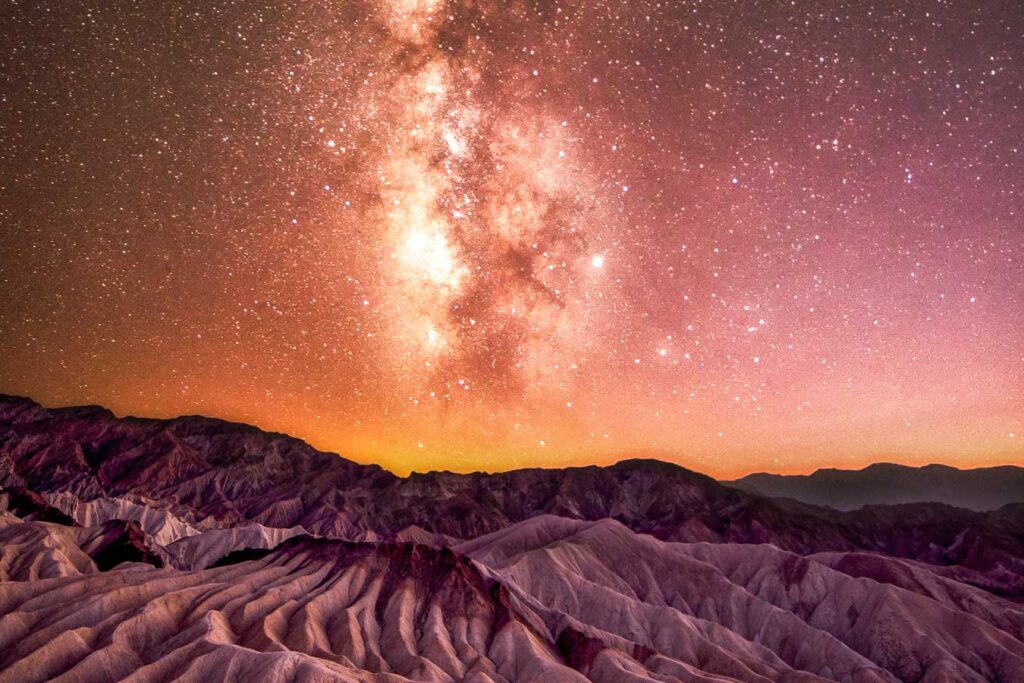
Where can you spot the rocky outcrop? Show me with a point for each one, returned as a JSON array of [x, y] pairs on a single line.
[[309, 610], [38, 550]]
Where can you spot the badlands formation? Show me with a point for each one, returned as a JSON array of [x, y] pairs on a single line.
[[199, 550]]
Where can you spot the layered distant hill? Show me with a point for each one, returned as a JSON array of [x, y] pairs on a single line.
[[199, 550], [987, 488]]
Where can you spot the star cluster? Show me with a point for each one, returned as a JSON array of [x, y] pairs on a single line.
[[482, 235]]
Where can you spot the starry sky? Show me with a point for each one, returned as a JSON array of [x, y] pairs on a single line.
[[469, 234]]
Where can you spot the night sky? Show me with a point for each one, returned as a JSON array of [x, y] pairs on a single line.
[[484, 235]]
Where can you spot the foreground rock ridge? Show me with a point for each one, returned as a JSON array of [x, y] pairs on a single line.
[[194, 549]]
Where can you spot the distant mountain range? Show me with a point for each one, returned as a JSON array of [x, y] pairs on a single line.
[[195, 549], [987, 488]]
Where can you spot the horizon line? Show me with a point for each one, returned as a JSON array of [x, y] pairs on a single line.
[[624, 458]]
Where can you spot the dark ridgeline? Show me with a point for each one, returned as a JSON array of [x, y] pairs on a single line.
[[983, 488]]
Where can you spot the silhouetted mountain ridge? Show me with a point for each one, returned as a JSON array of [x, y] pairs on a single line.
[[985, 488]]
